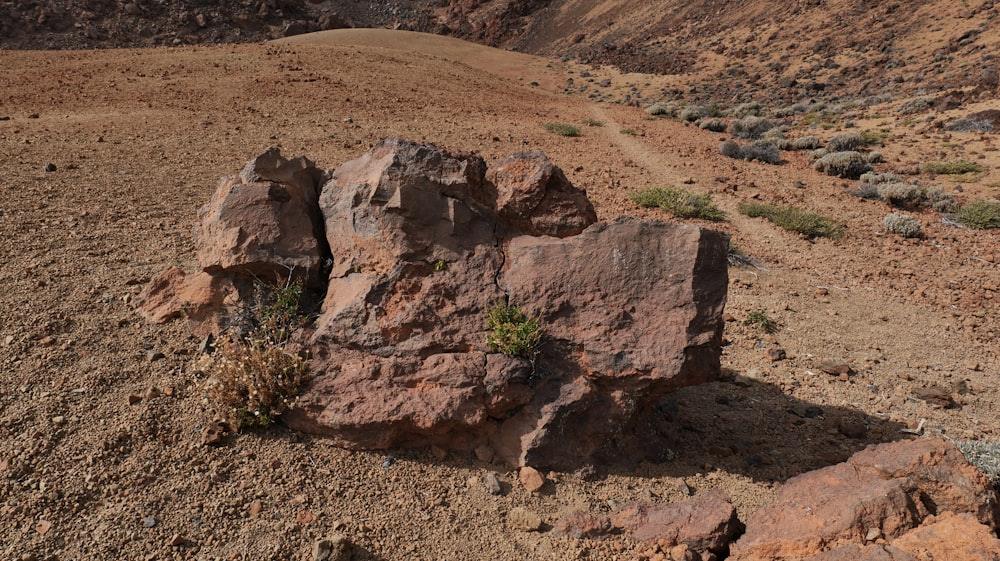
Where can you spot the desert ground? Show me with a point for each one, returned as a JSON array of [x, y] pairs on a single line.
[[137, 140]]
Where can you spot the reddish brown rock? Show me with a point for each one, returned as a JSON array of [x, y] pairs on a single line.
[[419, 250], [531, 478], [955, 537], [264, 222], [199, 298], [581, 524], [640, 305], [535, 198], [890, 487], [706, 523]]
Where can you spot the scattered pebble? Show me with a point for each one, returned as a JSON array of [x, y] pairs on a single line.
[[149, 522], [50, 167], [836, 367], [531, 479], [775, 354], [255, 508], [335, 548], [524, 520], [492, 483]]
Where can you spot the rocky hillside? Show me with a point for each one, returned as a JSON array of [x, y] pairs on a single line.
[[724, 50]]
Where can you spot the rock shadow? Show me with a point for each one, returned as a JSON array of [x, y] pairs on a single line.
[[745, 426]]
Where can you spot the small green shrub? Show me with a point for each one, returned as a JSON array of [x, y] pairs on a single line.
[[681, 203], [440, 266], [563, 129], [915, 105], [512, 331], [871, 137], [902, 225], [980, 214], [845, 142], [628, 132], [951, 167], [806, 143], [759, 319], [712, 124], [750, 108], [592, 122], [794, 219], [750, 128], [252, 377], [761, 150], [660, 108], [849, 165]]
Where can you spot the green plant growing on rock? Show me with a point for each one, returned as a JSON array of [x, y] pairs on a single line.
[[512, 332], [794, 219], [563, 129], [681, 203], [760, 319], [980, 215], [253, 379]]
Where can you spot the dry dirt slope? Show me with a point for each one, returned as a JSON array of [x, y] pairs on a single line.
[[138, 139]]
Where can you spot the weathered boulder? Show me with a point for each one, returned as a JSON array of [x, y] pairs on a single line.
[[416, 245], [705, 523], [264, 222], [883, 491], [420, 254]]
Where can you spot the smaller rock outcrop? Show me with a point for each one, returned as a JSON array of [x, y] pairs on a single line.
[[264, 222], [886, 494], [261, 226]]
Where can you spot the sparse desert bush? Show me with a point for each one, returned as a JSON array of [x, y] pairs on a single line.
[[873, 137], [900, 194], [712, 124], [817, 154], [563, 129], [590, 122], [984, 455], [761, 150], [873, 178], [980, 214], [951, 167], [939, 200], [915, 105], [661, 109], [512, 332], [750, 128], [692, 113], [902, 225], [760, 319], [967, 124], [681, 203], [849, 165], [807, 143], [793, 219], [846, 142], [875, 157], [754, 108], [252, 377]]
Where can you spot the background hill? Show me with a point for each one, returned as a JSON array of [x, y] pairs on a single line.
[[732, 50]]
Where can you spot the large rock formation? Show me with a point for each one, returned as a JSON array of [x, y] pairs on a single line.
[[420, 245]]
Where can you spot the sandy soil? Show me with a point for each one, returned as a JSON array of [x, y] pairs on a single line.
[[138, 140]]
